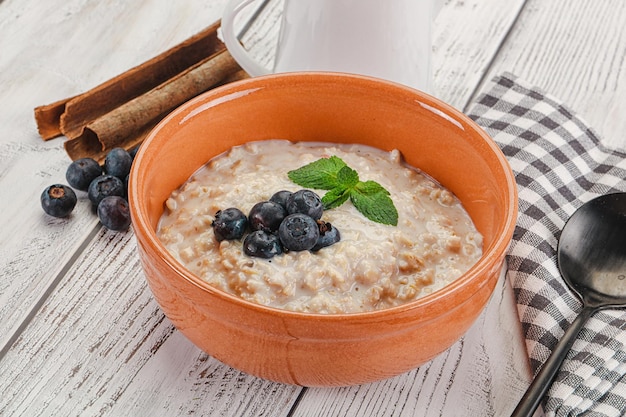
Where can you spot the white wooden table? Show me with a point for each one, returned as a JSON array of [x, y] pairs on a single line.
[[80, 333]]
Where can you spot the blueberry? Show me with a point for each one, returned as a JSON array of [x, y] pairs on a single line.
[[266, 216], [229, 224], [329, 235], [132, 152], [305, 202], [281, 197], [104, 186], [114, 213], [298, 232], [117, 163], [81, 172], [58, 200], [262, 244]]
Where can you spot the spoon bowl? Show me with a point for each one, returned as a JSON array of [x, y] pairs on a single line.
[[592, 251], [591, 256]]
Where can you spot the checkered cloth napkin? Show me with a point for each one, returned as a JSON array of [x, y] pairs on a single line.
[[559, 164]]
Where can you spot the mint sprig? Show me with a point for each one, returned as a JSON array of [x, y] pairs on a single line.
[[343, 183]]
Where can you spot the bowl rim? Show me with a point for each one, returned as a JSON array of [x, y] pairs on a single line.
[[144, 231]]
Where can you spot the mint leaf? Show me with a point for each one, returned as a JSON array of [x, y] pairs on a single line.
[[342, 183], [373, 201], [335, 197], [370, 187], [347, 177], [321, 174]]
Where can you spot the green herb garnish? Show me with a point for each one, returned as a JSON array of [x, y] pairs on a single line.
[[343, 183]]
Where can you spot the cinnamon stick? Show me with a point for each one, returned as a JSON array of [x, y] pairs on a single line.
[[121, 111], [127, 125]]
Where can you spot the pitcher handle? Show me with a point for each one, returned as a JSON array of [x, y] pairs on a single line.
[[232, 9]]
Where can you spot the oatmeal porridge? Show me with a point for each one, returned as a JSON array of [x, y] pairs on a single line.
[[373, 266]]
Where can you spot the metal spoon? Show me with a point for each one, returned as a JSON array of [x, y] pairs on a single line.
[[591, 257]]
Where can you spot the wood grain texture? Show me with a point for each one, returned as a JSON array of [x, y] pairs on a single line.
[[99, 345], [51, 51], [467, 35], [576, 51], [102, 346], [80, 333]]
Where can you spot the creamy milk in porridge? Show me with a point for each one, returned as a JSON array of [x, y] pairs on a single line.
[[373, 266]]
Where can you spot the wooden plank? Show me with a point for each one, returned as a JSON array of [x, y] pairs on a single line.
[[71, 46], [101, 346], [467, 35], [28, 266], [576, 51], [125, 356]]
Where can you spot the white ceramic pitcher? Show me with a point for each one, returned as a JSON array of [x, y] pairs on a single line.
[[389, 39]]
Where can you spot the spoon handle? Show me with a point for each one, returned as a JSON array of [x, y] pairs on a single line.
[[533, 396]]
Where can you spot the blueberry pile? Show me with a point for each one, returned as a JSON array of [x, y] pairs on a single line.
[[288, 221], [106, 187]]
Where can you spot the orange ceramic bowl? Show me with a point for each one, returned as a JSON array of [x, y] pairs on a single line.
[[316, 349]]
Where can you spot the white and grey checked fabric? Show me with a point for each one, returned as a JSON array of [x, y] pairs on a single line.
[[559, 164]]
